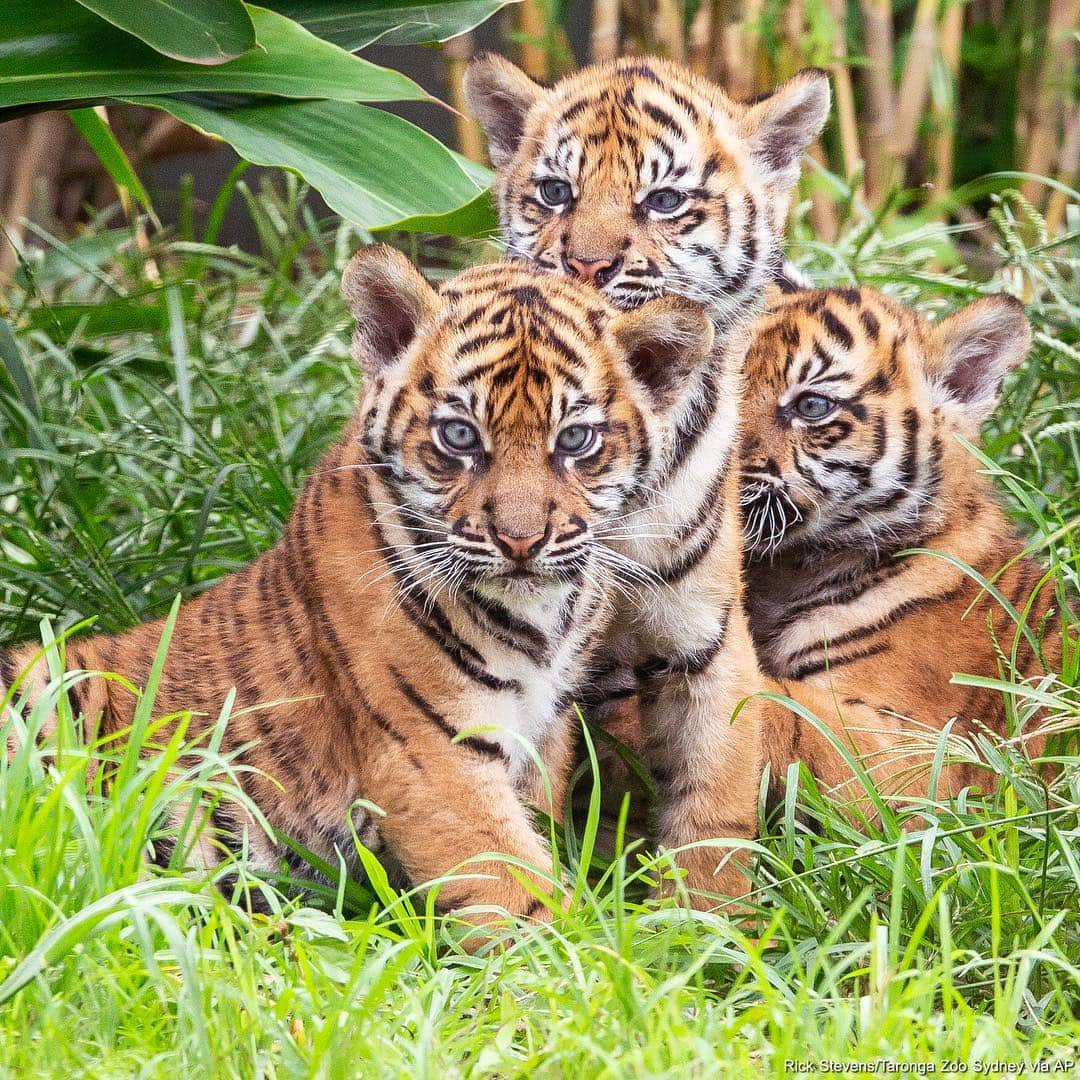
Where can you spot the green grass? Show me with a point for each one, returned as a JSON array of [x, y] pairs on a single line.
[[158, 410]]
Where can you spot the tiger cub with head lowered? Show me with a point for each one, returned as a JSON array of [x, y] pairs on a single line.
[[441, 571], [850, 456]]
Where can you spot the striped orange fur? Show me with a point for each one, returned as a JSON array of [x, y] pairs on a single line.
[[444, 569], [850, 456], [852, 409], [646, 178]]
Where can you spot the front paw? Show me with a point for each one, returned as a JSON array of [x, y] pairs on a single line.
[[708, 878]]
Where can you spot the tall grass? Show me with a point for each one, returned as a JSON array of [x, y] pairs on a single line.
[[158, 409]]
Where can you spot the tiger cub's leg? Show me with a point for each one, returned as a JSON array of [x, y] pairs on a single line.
[[443, 812], [897, 761], [547, 791], [27, 668], [706, 760]]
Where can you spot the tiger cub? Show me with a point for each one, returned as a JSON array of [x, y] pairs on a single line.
[[850, 456], [647, 179], [442, 571]]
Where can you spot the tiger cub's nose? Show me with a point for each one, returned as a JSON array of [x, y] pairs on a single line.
[[519, 547], [599, 271]]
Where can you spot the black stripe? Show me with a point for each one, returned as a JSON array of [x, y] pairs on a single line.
[[890, 618], [7, 672], [687, 434], [682, 566], [481, 341], [558, 344], [663, 118], [516, 633], [707, 505], [532, 907], [396, 404], [473, 742], [573, 111], [830, 662], [164, 846], [784, 282], [836, 329], [841, 588], [227, 830], [74, 690], [658, 667], [384, 725], [478, 371]]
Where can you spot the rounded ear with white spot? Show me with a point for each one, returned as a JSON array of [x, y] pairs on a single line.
[[499, 96], [977, 348], [784, 124], [389, 300], [664, 340]]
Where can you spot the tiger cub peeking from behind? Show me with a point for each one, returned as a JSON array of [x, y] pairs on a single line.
[[850, 455], [439, 573], [646, 179]]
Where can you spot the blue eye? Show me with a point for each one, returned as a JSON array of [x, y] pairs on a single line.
[[554, 192], [460, 436], [665, 200], [575, 439], [814, 406]]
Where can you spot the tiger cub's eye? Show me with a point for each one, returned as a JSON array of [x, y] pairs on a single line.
[[575, 439], [814, 406], [665, 200], [459, 435], [554, 192]]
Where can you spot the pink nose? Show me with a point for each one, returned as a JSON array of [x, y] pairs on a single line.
[[519, 547], [598, 271]]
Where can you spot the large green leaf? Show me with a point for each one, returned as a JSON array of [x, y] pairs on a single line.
[[60, 52], [199, 31], [353, 24], [370, 166]]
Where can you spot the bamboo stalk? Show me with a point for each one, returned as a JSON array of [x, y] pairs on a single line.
[[604, 40], [14, 132], [752, 55], [458, 52], [877, 38], [31, 165], [844, 94], [792, 22], [1042, 146], [1067, 171], [533, 29], [915, 79], [701, 35], [944, 112], [668, 28], [731, 64], [823, 216]]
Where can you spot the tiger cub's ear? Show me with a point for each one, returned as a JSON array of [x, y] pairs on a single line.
[[977, 348], [664, 340], [499, 96], [389, 300], [784, 124]]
